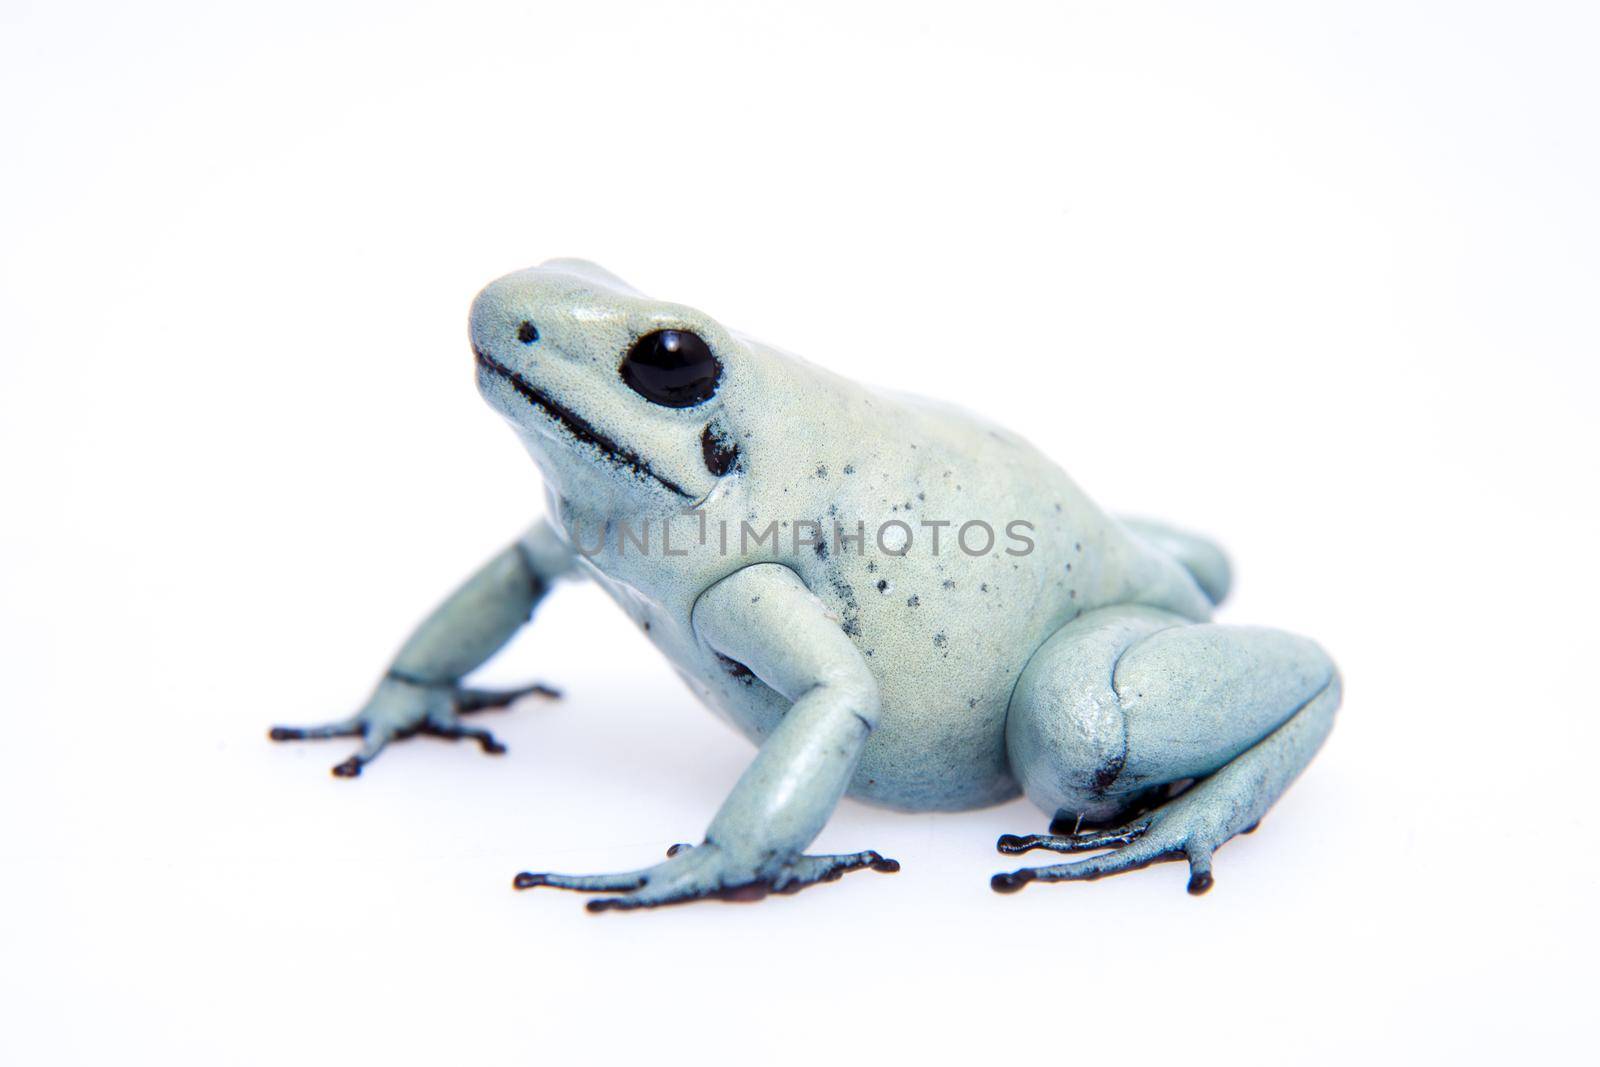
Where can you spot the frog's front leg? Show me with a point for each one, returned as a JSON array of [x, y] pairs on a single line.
[[766, 619], [422, 693]]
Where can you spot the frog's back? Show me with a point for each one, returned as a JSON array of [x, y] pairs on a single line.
[[947, 628]]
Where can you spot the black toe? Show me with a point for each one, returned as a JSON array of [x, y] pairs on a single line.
[[1010, 883]]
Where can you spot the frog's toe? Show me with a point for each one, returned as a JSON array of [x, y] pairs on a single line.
[[469, 701], [350, 727], [377, 739], [582, 883], [455, 731], [1084, 842], [796, 875], [809, 870]]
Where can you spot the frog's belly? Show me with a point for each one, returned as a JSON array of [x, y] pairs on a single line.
[[940, 740], [931, 753]]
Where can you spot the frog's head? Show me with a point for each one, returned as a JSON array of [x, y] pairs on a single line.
[[617, 396]]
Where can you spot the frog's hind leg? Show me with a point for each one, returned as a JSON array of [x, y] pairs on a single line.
[[1203, 559], [1124, 703]]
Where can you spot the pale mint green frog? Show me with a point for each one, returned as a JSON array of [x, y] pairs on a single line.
[[890, 598]]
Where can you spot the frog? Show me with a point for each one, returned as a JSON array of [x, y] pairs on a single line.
[[891, 598]]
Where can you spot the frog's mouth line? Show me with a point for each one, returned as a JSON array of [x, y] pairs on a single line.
[[575, 424]]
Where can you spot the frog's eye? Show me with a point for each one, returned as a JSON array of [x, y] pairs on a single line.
[[673, 368], [527, 332]]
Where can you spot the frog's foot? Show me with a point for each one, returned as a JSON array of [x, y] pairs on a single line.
[[403, 708], [1133, 846], [706, 872]]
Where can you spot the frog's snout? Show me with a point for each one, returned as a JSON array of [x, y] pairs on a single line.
[[501, 322]]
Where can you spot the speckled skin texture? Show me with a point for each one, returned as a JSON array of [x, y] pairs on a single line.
[[1074, 659]]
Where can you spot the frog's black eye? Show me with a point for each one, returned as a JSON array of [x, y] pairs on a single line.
[[673, 368], [527, 333]]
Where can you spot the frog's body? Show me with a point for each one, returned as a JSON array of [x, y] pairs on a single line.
[[946, 636], [888, 596]]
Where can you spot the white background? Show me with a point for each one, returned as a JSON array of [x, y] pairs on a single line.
[[1319, 279]]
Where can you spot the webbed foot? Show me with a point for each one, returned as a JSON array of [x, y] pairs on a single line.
[[401, 708], [702, 872]]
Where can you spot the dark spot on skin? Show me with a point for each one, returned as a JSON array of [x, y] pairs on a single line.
[[872, 568], [883, 585], [849, 468], [527, 333], [1108, 773], [913, 600], [1069, 568], [972, 702], [940, 640], [850, 622], [720, 453], [922, 496], [821, 549], [1076, 547], [983, 587], [646, 625], [736, 669], [949, 583], [822, 470]]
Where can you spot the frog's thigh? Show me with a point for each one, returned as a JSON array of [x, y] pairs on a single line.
[[1125, 699]]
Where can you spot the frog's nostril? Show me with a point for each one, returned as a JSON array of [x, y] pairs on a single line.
[[527, 333]]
